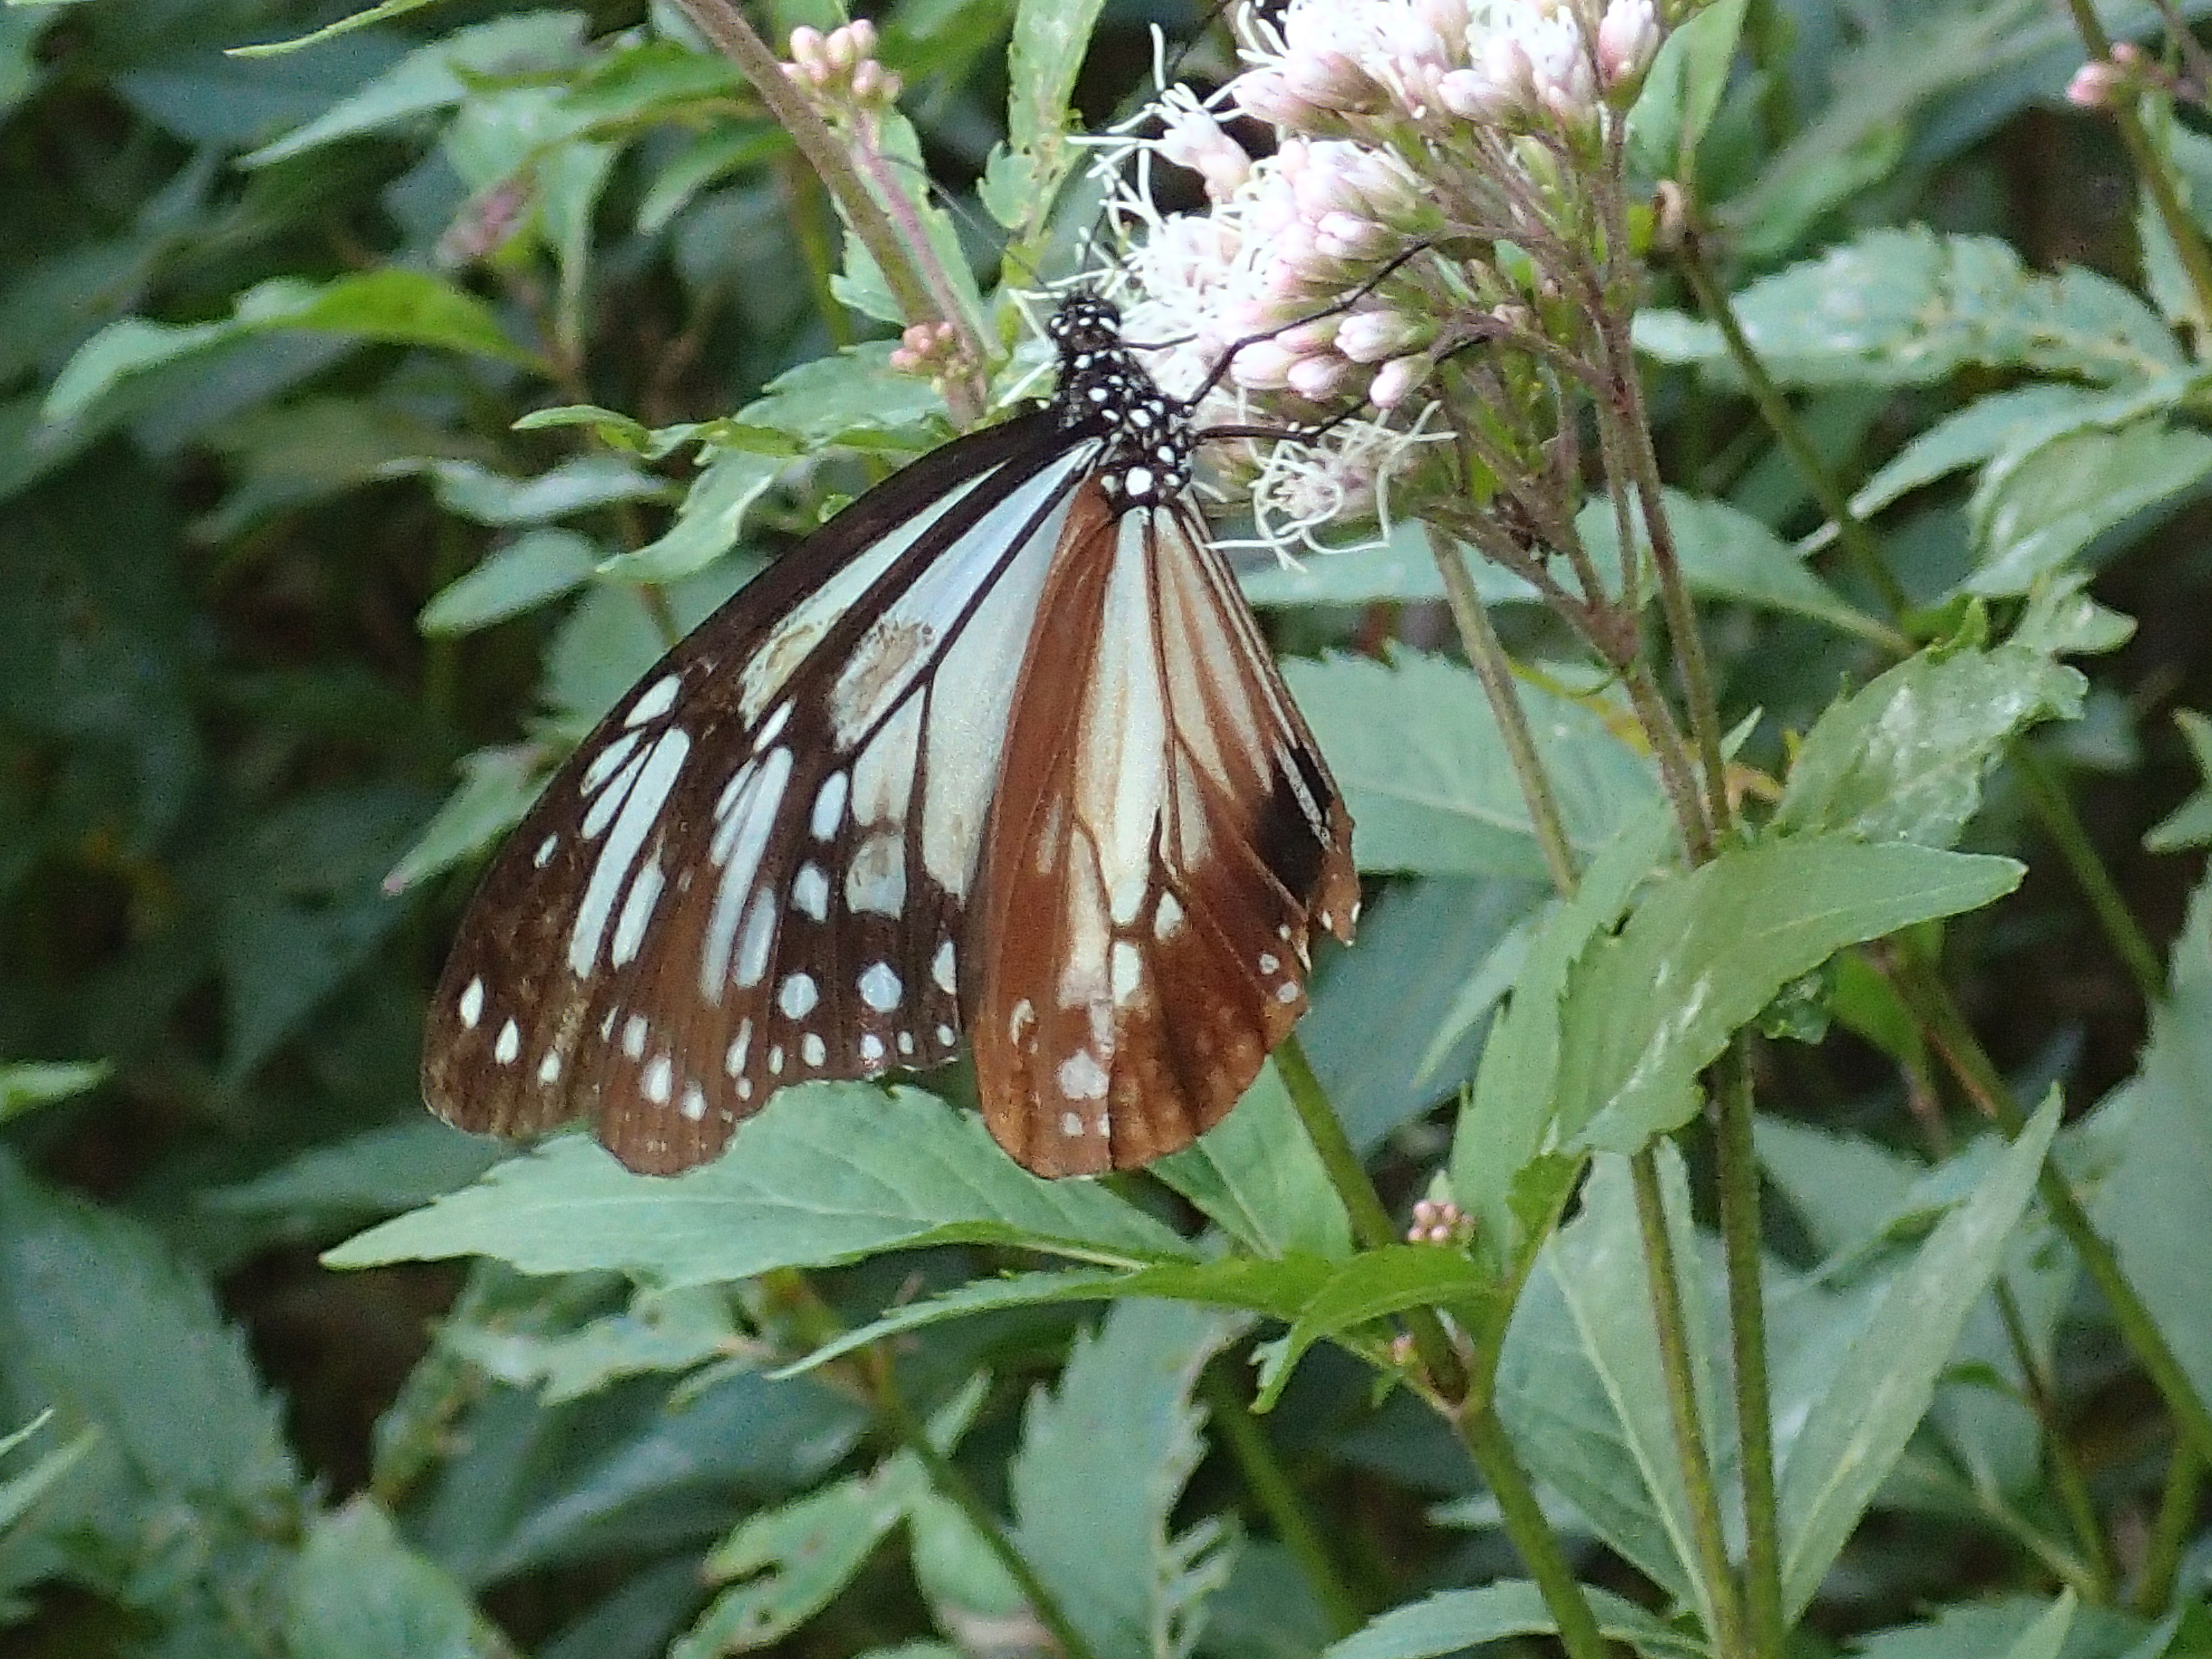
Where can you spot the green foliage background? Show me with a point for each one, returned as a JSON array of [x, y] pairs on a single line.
[[279, 570]]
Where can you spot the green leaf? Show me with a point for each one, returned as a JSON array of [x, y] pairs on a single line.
[[1398, 565], [122, 349], [824, 1175], [1648, 1009], [108, 1323], [435, 77], [1427, 776], [1102, 1461], [393, 305], [2147, 1147], [1451, 1621], [1875, 1399], [1726, 554], [2043, 507], [1682, 92], [707, 523], [1049, 40], [1256, 1174], [1903, 758], [2189, 824], [1507, 1119], [357, 1591], [19, 1494], [576, 485], [376, 1173], [523, 574], [1376, 1283], [497, 789], [836, 398], [794, 1558], [1910, 307], [25, 1084], [1580, 1383], [659, 1331]]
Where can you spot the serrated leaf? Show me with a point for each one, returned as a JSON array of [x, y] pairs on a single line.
[[793, 1558], [671, 1331], [1102, 1461], [826, 1174], [2189, 824], [1647, 1009], [1043, 60], [1451, 1621], [1580, 1384], [523, 574], [106, 1320], [1877, 1396], [2150, 1147], [1428, 778], [375, 1173], [2046, 505], [358, 1591], [1507, 1119], [1910, 307], [1256, 1174], [1903, 757]]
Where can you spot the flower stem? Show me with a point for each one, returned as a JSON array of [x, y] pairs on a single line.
[[1485, 653], [2054, 809], [721, 23], [1737, 1164], [1271, 1487], [1493, 1451], [1930, 1000], [2069, 1484], [1663, 1276], [2170, 1533]]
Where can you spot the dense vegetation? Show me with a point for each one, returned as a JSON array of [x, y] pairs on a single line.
[[372, 413]]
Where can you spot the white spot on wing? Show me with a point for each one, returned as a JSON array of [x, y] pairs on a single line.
[[829, 806], [640, 811], [634, 1036], [544, 856], [871, 1048], [1129, 970], [472, 1003], [659, 1078], [797, 997], [811, 1047], [509, 1045], [944, 969], [694, 1105], [880, 988], [1082, 1078], [734, 1062], [660, 697], [876, 882], [738, 843], [810, 891], [549, 1069], [637, 911]]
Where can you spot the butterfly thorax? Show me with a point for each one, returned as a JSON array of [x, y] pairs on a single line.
[[1105, 389]]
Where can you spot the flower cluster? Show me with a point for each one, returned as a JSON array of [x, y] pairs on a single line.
[[1400, 126], [839, 68]]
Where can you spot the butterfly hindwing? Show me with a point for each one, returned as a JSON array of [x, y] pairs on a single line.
[[1165, 838]]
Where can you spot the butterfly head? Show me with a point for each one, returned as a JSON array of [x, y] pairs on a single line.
[[1103, 388]]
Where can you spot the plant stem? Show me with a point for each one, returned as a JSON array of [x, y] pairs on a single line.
[[1737, 1163], [1492, 1448], [818, 1324], [2054, 810], [1467, 1396], [1663, 1276], [1271, 1487], [1676, 774], [1781, 420], [2170, 1532], [1930, 1000], [2073, 1491], [1485, 653], [722, 24]]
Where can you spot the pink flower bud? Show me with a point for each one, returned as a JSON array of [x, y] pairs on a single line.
[[1317, 379], [1395, 379], [1627, 38], [1343, 236], [1263, 366], [1370, 336], [2094, 83]]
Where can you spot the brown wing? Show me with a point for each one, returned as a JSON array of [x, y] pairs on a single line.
[[754, 871], [1164, 839]]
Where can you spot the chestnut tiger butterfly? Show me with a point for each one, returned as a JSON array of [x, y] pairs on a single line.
[[997, 752]]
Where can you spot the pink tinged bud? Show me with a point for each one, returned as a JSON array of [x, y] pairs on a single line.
[[2093, 85], [1263, 366], [1505, 65], [1370, 336], [805, 44], [1265, 96], [1626, 41], [2127, 54], [1342, 236], [862, 33], [1317, 378], [1317, 334], [1395, 379]]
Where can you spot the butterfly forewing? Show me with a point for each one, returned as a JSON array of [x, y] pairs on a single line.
[[753, 870], [1165, 837], [1000, 748]]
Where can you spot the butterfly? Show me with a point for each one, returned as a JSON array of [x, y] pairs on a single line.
[[997, 752]]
